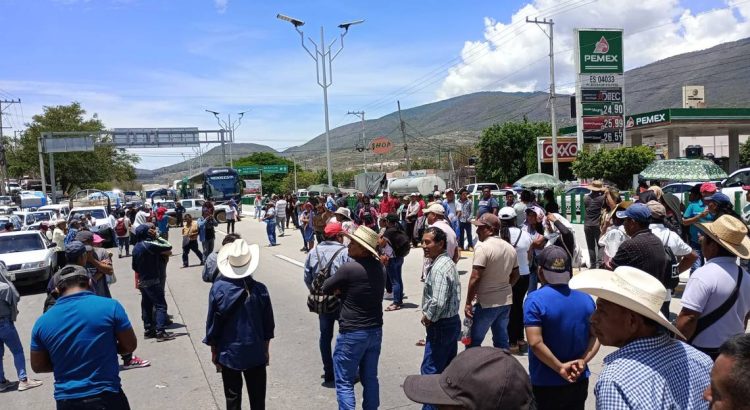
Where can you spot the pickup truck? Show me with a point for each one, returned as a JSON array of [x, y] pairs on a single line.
[[475, 190], [194, 207]]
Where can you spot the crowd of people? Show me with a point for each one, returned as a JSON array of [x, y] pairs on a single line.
[[528, 285]]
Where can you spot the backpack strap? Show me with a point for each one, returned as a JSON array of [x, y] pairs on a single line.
[[319, 276], [707, 321], [520, 233]]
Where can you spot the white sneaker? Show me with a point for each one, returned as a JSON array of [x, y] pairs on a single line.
[[28, 384], [388, 296]]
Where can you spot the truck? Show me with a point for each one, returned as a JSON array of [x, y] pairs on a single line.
[[423, 185]]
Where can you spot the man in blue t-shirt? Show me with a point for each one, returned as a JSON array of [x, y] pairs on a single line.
[[557, 327], [696, 211], [487, 203], [78, 339]]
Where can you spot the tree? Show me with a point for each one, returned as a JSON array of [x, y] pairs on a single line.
[[304, 180], [507, 152], [272, 183], [616, 165], [745, 153], [72, 169]]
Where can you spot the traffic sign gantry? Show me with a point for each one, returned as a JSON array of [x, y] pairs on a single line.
[[266, 169]]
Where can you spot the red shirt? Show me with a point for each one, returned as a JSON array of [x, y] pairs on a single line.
[[387, 206]]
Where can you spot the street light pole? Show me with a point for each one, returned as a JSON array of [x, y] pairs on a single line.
[[323, 58], [230, 126], [363, 146]]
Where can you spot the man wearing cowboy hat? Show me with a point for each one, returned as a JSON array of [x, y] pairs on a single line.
[[240, 325], [651, 369], [360, 284], [593, 203], [720, 283]]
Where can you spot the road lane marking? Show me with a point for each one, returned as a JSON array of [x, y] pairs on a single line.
[[290, 260]]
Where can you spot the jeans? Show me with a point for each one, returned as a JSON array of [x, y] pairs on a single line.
[[9, 337], [106, 400], [153, 306], [230, 225], [495, 318], [280, 222], [464, 227], [533, 279], [455, 225], [441, 346], [191, 246], [566, 397], [257, 212], [255, 380], [327, 320], [124, 242], [515, 322], [698, 262], [358, 349], [394, 269], [271, 232], [208, 246], [592, 243]]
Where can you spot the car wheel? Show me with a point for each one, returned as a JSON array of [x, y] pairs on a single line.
[[221, 216]]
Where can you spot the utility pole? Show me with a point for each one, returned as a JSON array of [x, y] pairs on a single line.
[[3, 157], [553, 122], [295, 174], [362, 146], [403, 133]]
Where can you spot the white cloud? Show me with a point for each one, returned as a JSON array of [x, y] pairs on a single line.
[[221, 5], [513, 54]]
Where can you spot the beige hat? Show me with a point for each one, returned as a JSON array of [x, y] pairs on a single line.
[[658, 210], [628, 287], [345, 212], [435, 208], [237, 260], [365, 237], [596, 185], [730, 232]]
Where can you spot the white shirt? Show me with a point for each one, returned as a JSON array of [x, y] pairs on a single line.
[[140, 218], [522, 248], [671, 239], [450, 234], [707, 289], [281, 208], [612, 239]]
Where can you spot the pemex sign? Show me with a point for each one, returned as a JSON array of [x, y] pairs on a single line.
[[600, 51]]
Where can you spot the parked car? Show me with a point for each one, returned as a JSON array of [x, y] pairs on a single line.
[[14, 219], [194, 208], [29, 256], [64, 210], [476, 189], [734, 182], [31, 219], [102, 228]]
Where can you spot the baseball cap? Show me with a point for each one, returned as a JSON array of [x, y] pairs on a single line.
[[69, 271], [537, 210], [554, 261], [332, 229], [436, 193], [449, 190], [84, 236], [658, 211], [478, 378], [487, 219], [414, 194], [708, 187], [506, 213], [97, 239], [638, 212], [719, 198], [435, 209], [74, 249]]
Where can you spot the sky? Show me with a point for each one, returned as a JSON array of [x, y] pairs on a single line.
[[162, 63]]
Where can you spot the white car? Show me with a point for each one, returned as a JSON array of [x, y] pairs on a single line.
[[194, 208], [63, 209], [734, 183], [29, 256], [102, 228], [32, 219]]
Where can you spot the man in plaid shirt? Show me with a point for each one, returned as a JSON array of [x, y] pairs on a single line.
[[440, 303]]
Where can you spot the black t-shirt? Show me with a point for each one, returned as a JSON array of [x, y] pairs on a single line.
[[644, 251], [593, 204], [362, 283]]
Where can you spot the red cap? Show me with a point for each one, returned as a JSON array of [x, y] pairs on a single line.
[[332, 229], [746, 187], [708, 187]]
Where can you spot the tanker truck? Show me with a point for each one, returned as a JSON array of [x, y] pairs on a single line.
[[423, 185]]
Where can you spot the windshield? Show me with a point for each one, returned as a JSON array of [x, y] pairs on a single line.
[[222, 186], [35, 217], [95, 213], [20, 243]]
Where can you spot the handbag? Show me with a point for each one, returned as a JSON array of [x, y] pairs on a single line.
[[317, 301]]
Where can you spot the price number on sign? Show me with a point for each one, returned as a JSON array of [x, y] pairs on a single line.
[[612, 136], [613, 122]]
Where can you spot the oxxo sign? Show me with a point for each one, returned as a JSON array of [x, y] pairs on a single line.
[[567, 149]]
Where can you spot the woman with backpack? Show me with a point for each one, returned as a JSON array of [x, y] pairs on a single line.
[[122, 231]]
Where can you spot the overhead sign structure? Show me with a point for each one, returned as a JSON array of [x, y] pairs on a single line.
[[599, 89], [155, 137], [381, 145], [266, 169]]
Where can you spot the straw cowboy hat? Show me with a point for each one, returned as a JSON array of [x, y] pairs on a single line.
[[628, 287], [730, 232], [345, 212], [365, 237], [238, 260], [596, 185]]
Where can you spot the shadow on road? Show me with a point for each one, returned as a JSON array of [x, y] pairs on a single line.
[[33, 289]]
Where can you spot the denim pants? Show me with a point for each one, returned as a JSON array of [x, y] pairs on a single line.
[[280, 222], [9, 337], [106, 400], [327, 320], [456, 225], [257, 212], [208, 246], [515, 322], [358, 349], [464, 231], [153, 308], [271, 231], [495, 318], [397, 283], [441, 346], [124, 243]]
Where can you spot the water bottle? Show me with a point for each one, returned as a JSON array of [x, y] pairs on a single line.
[[466, 331]]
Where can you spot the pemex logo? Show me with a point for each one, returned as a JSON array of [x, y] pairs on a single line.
[[602, 46], [630, 123]]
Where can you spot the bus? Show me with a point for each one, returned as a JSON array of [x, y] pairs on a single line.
[[221, 184]]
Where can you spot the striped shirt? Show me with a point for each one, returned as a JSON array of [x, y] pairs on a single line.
[[466, 211], [654, 373], [441, 297]]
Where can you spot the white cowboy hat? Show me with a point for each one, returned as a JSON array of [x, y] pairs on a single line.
[[730, 233], [345, 212], [238, 260], [365, 237], [628, 287]]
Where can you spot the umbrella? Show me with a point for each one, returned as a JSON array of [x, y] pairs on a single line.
[[539, 181], [323, 189], [683, 170]]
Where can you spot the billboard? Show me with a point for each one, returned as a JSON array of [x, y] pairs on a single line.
[[600, 51], [252, 186], [381, 145], [567, 149]]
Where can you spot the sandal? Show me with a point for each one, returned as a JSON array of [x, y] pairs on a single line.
[[393, 307]]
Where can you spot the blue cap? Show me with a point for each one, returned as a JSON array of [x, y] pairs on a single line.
[[638, 212], [73, 250], [719, 198]]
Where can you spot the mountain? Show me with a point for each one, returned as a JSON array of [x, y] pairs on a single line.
[[721, 69]]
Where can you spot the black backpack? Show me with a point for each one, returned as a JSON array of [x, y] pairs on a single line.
[[400, 242], [671, 277], [317, 301]]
